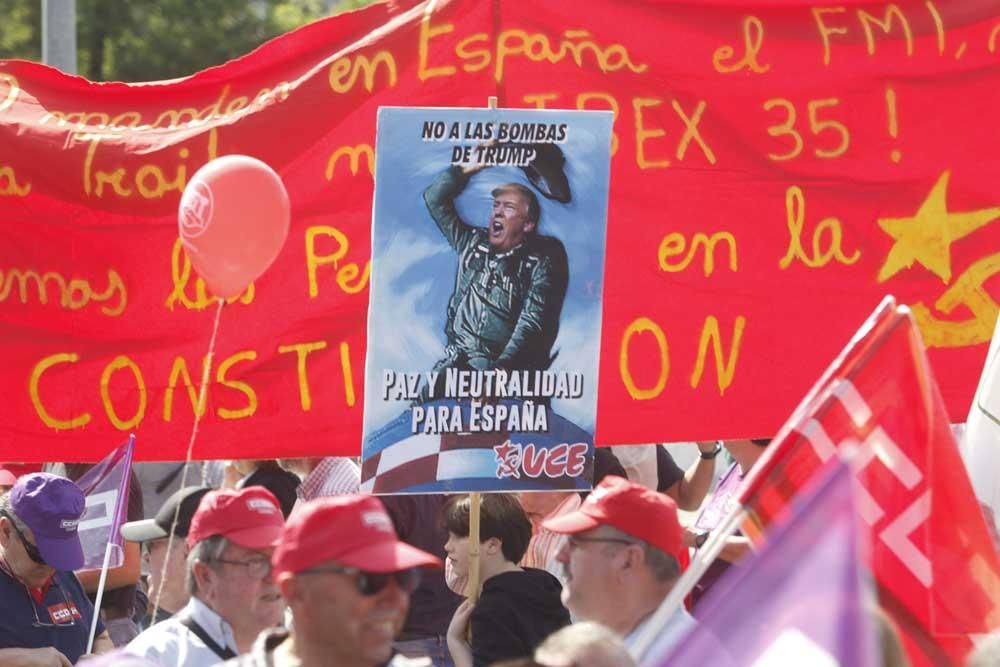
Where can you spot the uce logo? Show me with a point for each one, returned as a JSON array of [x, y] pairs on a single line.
[[562, 460]]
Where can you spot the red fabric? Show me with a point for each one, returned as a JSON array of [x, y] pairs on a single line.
[[631, 508], [888, 123], [250, 517], [355, 531], [933, 561]]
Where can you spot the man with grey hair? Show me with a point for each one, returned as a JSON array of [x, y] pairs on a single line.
[[584, 644], [231, 539], [624, 545]]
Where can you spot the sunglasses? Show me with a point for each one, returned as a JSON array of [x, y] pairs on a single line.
[[373, 583], [68, 609], [29, 548]]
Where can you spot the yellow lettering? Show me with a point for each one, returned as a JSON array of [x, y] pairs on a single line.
[[643, 325], [180, 274], [785, 129], [74, 296], [642, 134], [674, 244], [354, 155], [825, 31], [345, 366], [427, 33], [540, 99], [753, 39], [938, 25], [795, 209], [466, 54], [345, 274], [243, 387], [9, 186], [13, 90], [343, 73], [817, 126], [180, 370], [302, 350], [891, 12], [724, 369], [691, 131], [36, 399], [992, 42], [117, 364]]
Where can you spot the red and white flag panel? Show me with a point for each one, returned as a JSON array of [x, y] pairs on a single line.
[[932, 556]]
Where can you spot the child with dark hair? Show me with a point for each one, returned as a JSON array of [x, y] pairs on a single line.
[[518, 607]]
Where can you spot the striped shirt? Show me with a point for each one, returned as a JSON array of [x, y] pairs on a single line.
[[545, 544], [334, 476]]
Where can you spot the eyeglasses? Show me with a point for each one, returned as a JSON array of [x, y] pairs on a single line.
[[257, 568], [70, 608], [575, 541], [372, 583], [29, 548]]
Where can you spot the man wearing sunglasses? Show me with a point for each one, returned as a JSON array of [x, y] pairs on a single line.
[[231, 539], [347, 578], [45, 615], [622, 557]]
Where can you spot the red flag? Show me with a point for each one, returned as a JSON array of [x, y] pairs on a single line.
[[937, 572]]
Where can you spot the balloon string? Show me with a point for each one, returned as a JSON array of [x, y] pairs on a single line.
[[202, 394]]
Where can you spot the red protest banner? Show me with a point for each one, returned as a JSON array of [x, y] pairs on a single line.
[[931, 555], [775, 171]]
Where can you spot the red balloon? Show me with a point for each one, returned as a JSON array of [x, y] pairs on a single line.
[[233, 221]]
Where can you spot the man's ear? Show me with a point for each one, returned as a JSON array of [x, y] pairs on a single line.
[[289, 588], [204, 576], [530, 226], [493, 545], [6, 530]]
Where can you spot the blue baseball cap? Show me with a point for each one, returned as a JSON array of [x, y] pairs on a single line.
[[51, 506]]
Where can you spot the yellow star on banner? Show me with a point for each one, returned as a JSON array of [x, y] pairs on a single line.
[[926, 236]]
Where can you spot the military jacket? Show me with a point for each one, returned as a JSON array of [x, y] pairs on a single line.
[[505, 309]]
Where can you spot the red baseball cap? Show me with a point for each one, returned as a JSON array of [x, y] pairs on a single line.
[[353, 530], [632, 509], [250, 517]]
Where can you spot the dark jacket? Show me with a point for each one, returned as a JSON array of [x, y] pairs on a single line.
[[516, 611]]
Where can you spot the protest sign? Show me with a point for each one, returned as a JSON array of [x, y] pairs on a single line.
[[483, 326]]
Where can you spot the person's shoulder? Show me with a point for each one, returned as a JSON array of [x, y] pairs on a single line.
[[158, 641], [548, 246]]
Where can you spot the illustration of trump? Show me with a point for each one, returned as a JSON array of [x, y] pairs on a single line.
[[510, 284]]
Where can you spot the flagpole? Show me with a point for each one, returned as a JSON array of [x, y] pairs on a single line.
[[703, 558], [100, 595]]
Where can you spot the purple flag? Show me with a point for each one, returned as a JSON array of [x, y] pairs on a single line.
[[106, 489], [803, 599]]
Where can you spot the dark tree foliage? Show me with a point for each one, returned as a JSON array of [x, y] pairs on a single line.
[[160, 39]]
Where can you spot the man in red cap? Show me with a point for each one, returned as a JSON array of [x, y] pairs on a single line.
[[347, 578], [622, 558], [231, 539]]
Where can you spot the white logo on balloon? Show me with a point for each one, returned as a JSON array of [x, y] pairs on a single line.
[[196, 210]]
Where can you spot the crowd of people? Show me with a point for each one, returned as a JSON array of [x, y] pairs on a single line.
[[290, 565]]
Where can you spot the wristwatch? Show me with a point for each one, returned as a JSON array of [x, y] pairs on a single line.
[[708, 456], [700, 539]]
